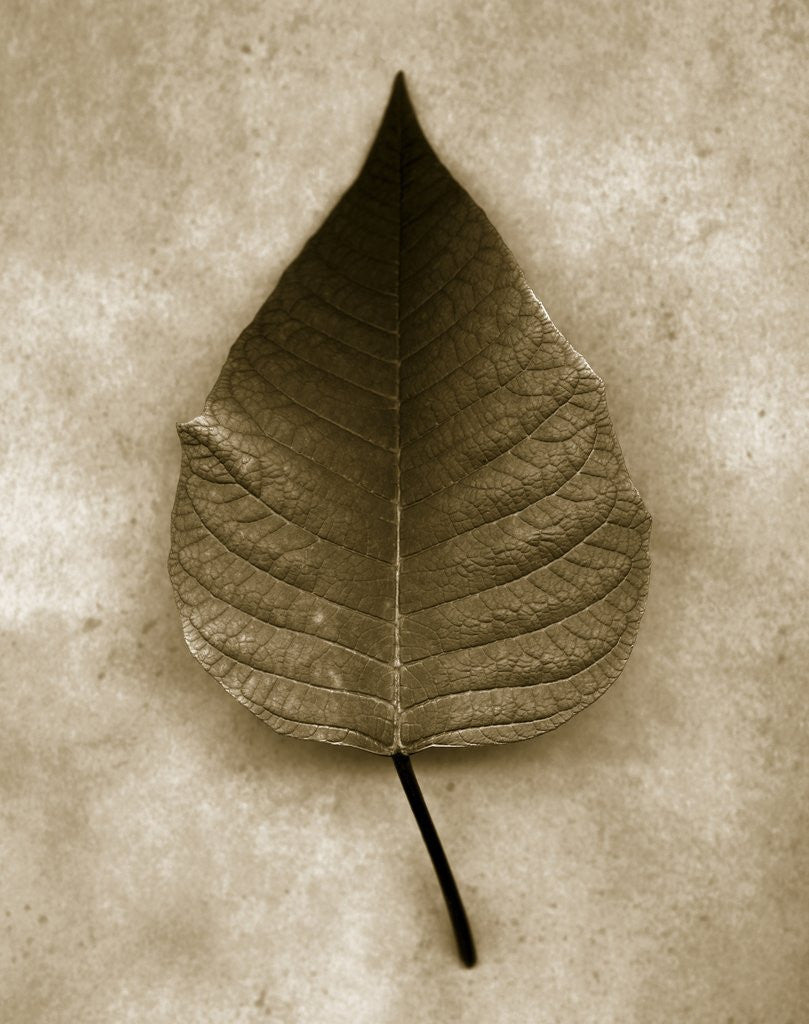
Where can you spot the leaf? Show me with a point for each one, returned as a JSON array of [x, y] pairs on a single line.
[[403, 518]]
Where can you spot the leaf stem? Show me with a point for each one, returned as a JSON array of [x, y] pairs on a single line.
[[452, 898]]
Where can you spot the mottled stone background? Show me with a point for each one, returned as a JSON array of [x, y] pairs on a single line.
[[164, 857]]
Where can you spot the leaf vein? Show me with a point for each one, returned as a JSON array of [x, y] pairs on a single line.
[[275, 511], [533, 632], [473, 692], [257, 370], [267, 622]]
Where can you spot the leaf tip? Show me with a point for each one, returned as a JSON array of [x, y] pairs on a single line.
[[399, 96]]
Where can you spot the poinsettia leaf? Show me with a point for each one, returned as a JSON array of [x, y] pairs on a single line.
[[403, 518]]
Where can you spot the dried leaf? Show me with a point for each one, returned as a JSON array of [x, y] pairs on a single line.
[[403, 518]]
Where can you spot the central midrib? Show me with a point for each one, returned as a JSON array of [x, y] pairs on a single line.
[[397, 664]]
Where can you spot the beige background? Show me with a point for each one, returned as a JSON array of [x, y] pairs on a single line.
[[167, 858]]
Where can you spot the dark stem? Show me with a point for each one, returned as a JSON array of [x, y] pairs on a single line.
[[452, 898]]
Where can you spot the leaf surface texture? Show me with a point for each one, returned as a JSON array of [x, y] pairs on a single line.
[[403, 518]]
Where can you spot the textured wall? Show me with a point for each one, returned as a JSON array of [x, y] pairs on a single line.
[[166, 857]]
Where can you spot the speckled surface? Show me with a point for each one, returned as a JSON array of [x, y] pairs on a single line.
[[167, 857]]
